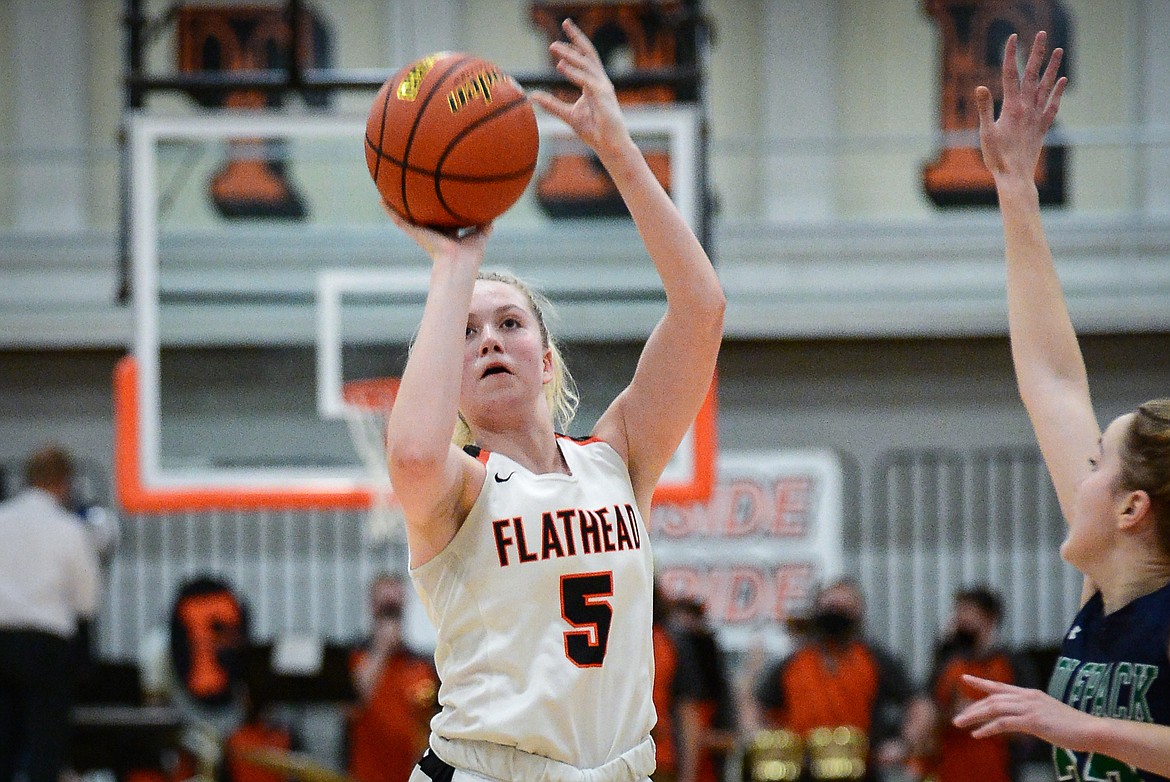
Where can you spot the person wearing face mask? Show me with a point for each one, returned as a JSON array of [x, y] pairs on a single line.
[[397, 693], [838, 678], [970, 647]]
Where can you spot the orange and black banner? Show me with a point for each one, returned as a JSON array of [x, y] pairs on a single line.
[[973, 34], [241, 38], [629, 36]]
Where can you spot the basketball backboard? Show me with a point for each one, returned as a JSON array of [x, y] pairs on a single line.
[[298, 305]]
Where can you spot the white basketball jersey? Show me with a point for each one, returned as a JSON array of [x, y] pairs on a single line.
[[542, 605]]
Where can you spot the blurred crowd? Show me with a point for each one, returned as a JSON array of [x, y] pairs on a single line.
[[836, 707]]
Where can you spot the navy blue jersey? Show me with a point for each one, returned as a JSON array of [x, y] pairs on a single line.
[[1114, 666]]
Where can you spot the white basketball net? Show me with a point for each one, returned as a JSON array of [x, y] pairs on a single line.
[[367, 406]]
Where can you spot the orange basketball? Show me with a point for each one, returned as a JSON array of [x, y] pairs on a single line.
[[451, 141]]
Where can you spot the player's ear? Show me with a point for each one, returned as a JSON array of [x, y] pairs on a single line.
[[547, 373], [1135, 510]]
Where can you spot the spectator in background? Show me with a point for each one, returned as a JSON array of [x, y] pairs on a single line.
[[259, 733], [705, 704], [397, 690], [837, 679], [690, 693], [971, 646], [665, 689], [48, 582]]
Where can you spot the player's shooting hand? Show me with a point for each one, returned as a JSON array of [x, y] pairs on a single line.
[[466, 246], [596, 116], [1011, 709], [1011, 144]]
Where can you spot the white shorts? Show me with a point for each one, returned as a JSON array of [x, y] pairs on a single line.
[[432, 769], [508, 764]]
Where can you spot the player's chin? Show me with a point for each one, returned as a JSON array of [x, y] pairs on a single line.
[[497, 390], [1073, 551]]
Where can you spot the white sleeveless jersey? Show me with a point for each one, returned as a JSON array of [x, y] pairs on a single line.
[[542, 606]]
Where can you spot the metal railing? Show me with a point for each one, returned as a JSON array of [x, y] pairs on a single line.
[[327, 173]]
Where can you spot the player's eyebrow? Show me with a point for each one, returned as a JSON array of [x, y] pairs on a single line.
[[510, 306]]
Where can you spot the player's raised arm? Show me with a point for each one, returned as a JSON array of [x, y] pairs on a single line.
[[433, 479], [1111, 486], [647, 420], [1049, 367]]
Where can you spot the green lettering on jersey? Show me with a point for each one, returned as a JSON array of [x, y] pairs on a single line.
[[1078, 686], [1101, 691], [1118, 690], [1065, 763], [1098, 768], [1092, 679], [1060, 676], [1121, 677], [1102, 768], [1139, 709]]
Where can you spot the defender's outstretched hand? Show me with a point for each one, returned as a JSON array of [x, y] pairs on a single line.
[[595, 116], [1011, 709], [1011, 145]]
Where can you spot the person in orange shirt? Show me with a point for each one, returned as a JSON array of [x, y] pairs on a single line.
[[665, 691], [258, 732], [687, 699], [397, 693], [836, 678], [972, 647]]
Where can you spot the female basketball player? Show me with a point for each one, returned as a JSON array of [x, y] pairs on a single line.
[[528, 548], [1109, 710]]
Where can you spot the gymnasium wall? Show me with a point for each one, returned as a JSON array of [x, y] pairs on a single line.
[[862, 399], [859, 75], [872, 80]]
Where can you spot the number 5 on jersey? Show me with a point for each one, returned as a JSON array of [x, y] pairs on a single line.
[[583, 605]]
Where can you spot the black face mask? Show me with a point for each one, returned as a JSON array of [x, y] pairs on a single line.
[[833, 625], [962, 641]]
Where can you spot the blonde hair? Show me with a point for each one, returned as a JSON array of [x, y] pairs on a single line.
[[1145, 462], [561, 392]]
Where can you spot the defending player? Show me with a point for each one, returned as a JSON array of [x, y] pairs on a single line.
[[530, 549], [1109, 708]]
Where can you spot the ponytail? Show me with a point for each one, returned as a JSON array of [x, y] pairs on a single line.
[[1146, 462]]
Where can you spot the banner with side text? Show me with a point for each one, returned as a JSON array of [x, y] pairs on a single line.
[[756, 551]]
